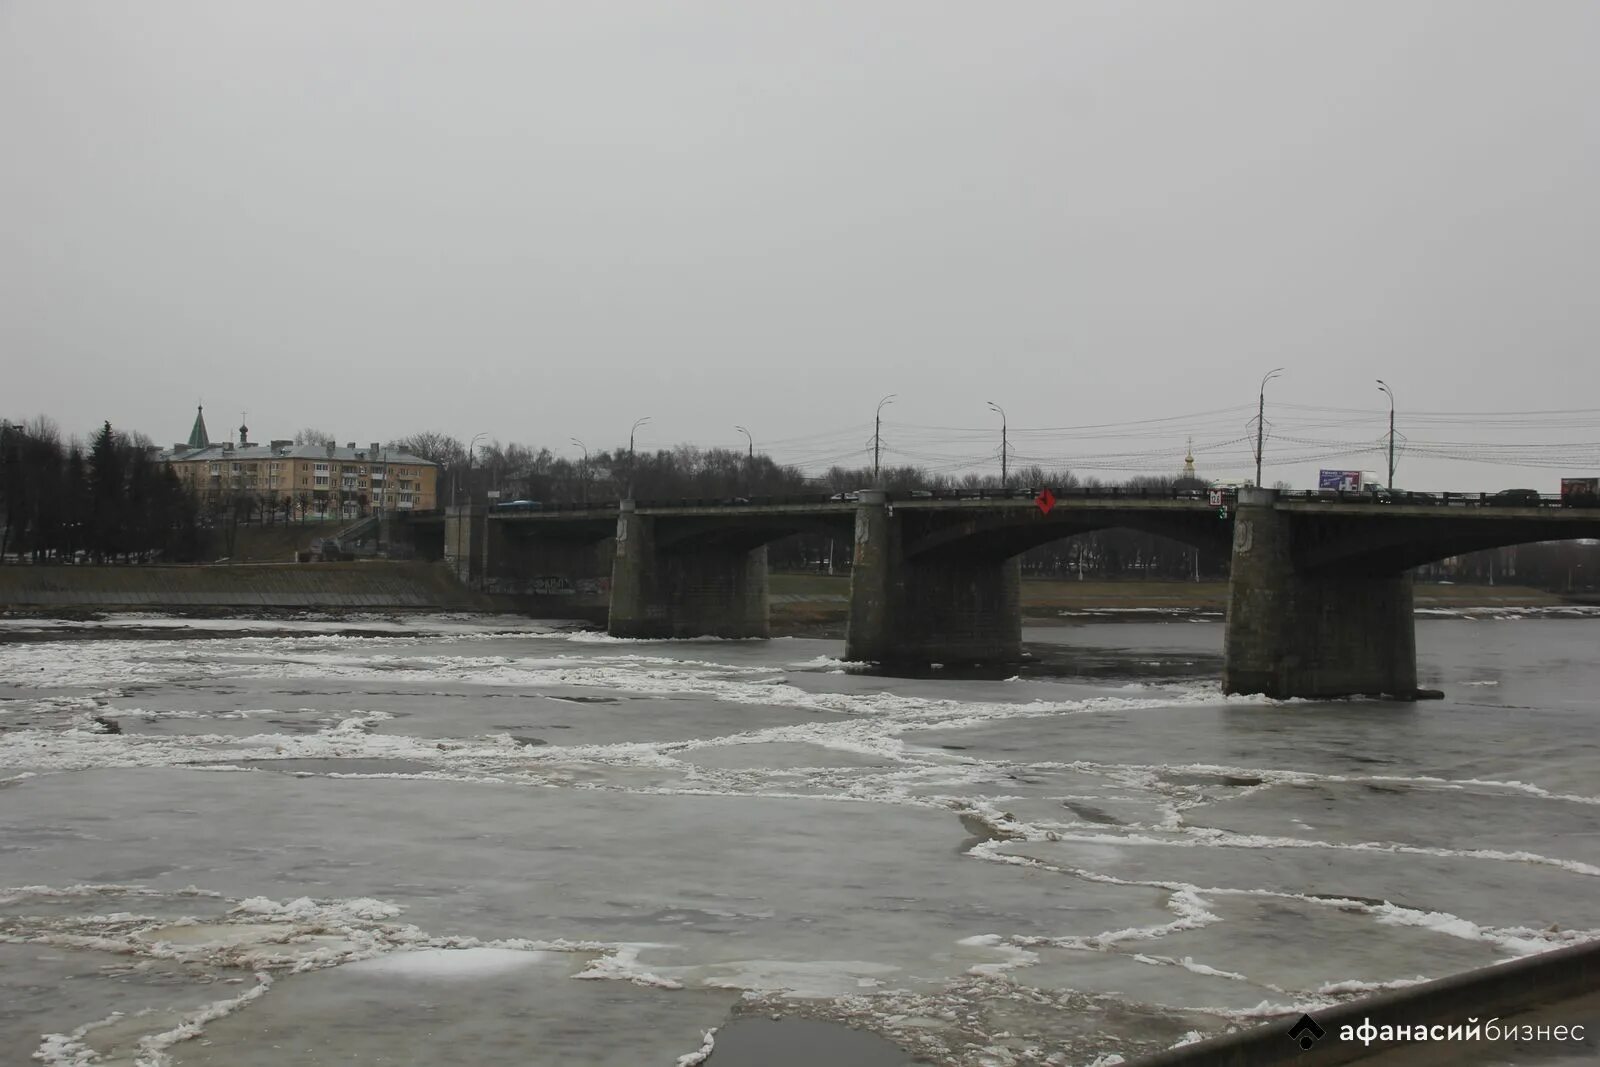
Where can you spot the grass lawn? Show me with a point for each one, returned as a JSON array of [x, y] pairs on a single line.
[[1048, 595]]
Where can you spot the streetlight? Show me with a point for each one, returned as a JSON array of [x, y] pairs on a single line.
[[472, 450], [456, 496], [877, 438], [1261, 419], [750, 463], [583, 472], [1383, 387], [637, 423], [996, 407], [455, 483]]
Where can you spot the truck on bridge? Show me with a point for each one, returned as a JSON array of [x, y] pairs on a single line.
[[1580, 492], [1349, 481]]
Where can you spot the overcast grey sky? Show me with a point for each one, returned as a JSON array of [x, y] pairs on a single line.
[[541, 220]]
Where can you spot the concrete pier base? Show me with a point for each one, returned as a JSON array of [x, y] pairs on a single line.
[[464, 546], [935, 608], [1323, 633], [686, 589]]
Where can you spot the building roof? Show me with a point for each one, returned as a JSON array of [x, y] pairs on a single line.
[[321, 453], [198, 438]]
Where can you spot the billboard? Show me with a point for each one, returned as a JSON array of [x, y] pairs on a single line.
[[1348, 481], [1580, 492]]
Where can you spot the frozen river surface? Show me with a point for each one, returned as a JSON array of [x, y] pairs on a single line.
[[467, 840]]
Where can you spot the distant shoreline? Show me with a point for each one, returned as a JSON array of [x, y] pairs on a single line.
[[813, 605], [816, 605]]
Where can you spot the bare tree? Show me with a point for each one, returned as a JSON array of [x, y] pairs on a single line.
[[438, 448]]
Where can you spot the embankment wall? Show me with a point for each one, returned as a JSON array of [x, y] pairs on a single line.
[[360, 585]]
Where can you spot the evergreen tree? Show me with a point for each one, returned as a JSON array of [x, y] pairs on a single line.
[[108, 506], [14, 501], [76, 507], [138, 533]]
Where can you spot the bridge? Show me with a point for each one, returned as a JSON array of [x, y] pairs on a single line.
[[1320, 601]]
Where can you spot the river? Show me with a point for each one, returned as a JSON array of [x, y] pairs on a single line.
[[466, 839]]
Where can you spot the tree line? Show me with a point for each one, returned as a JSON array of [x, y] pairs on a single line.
[[114, 500], [108, 502], [518, 471]]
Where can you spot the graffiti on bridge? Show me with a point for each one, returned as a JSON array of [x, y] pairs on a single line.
[[549, 585]]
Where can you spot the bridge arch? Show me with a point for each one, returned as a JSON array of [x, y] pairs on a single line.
[[1006, 535], [1376, 544], [694, 571]]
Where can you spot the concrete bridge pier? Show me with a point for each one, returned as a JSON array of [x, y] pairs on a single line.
[[1322, 633], [938, 607], [464, 546], [687, 588]]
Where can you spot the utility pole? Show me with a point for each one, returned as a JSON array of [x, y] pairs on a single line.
[[877, 435], [471, 449], [750, 462], [637, 423], [1003, 446], [583, 472], [384, 548], [1383, 387], [1261, 420]]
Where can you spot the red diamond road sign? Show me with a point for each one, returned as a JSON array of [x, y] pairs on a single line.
[[1046, 500]]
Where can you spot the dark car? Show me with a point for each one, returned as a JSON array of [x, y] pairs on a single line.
[[1516, 498], [519, 505]]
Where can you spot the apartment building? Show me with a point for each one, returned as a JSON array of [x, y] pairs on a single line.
[[301, 480]]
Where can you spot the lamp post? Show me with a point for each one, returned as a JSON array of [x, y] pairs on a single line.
[[877, 436], [1261, 419], [583, 471], [1003, 449], [1383, 387], [750, 461], [637, 423], [384, 548], [471, 448]]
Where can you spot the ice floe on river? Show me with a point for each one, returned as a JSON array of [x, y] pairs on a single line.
[[1028, 871]]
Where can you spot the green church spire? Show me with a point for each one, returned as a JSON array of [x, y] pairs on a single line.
[[198, 438]]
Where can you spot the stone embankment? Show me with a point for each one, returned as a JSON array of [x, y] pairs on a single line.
[[363, 585], [814, 605]]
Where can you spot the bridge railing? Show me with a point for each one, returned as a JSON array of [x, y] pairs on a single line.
[[1504, 498], [1028, 494], [577, 505], [1519, 498]]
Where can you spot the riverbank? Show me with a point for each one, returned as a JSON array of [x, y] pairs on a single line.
[[817, 605], [812, 605], [231, 589]]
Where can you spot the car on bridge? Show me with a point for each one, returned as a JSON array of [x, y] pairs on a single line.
[[1517, 498], [1397, 496], [519, 505]]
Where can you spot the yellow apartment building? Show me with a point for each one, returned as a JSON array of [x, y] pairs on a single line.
[[304, 480]]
